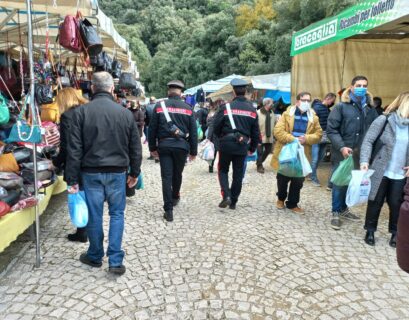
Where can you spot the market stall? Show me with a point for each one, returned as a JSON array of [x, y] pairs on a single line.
[[370, 38], [35, 63]]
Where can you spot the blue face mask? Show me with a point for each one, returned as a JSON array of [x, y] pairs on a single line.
[[360, 92]]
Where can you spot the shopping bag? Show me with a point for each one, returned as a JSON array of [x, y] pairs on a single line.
[[78, 209], [199, 131], [206, 150], [359, 188], [140, 184], [252, 158], [289, 162], [305, 164], [342, 176]]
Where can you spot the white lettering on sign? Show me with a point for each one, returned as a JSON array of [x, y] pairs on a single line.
[[316, 35]]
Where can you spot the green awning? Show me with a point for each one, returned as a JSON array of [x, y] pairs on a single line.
[[367, 15]]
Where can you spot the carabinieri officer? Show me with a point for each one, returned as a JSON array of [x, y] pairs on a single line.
[[236, 125], [172, 136]]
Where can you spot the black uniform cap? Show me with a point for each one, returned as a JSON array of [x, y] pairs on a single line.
[[239, 83], [176, 84]]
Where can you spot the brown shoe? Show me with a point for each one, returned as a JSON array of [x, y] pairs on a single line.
[[260, 168], [298, 210], [280, 204]]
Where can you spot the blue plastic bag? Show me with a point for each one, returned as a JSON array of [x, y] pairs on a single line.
[[78, 209], [140, 185], [290, 164], [252, 157]]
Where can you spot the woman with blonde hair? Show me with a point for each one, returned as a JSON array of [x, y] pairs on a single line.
[[385, 149], [68, 99]]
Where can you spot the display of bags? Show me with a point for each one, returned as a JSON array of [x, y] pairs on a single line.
[[4, 111], [41, 165], [22, 154], [127, 81], [359, 188], [10, 180], [90, 38], [342, 176], [52, 133], [78, 209], [8, 163], [50, 112], [116, 69], [69, 35], [44, 94]]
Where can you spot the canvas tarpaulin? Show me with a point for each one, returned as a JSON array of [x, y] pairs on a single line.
[[330, 68]]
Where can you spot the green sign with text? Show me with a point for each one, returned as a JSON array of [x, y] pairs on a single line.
[[364, 16]]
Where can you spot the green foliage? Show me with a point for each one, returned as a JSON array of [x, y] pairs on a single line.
[[201, 40]]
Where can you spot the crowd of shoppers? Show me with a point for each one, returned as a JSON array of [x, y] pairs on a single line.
[[101, 152]]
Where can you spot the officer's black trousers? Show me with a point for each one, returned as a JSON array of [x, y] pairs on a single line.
[[238, 172], [172, 163]]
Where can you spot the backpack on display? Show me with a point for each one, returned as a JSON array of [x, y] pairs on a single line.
[[69, 35], [90, 38]]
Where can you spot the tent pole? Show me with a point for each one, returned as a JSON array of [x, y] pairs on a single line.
[[33, 114]]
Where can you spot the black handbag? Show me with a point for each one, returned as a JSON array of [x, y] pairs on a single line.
[[13, 196], [90, 38], [22, 154], [116, 69], [127, 81], [44, 94]]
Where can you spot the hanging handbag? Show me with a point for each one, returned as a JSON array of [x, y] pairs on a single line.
[[69, 35], [127, 81], [44, 94], [22, 131], [50, 112], [116, 69], [52, 134], [4, 111], [90, 38]]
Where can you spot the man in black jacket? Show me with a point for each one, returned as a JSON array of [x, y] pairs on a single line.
[[172, 136], [346, 129], [104, 143], [236, 125]]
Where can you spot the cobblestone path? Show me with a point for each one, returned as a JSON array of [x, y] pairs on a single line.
[[253, 263]]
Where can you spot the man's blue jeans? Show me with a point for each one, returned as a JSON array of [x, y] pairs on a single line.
[[318, 153], [101, 187]]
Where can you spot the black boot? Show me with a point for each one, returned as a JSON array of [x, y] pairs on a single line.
[[225, 203], [392, 242], [79, 236], [210, 169], [168, 216], [370, 238]]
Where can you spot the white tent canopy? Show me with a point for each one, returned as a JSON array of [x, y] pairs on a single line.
[[275, 81], [213, 86], [13, 27]]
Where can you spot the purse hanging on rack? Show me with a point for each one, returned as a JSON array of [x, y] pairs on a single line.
[[22, 131]]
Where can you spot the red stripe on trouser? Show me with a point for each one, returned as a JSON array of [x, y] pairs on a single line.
[[218, 175]]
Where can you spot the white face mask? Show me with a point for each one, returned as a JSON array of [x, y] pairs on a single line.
[[305, 106]]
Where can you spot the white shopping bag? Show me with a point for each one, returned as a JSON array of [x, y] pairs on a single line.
[[206, 150], [359, 188], [305, 164]]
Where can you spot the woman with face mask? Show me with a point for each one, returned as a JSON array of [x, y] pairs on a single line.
[[385, 149], [300, 123]]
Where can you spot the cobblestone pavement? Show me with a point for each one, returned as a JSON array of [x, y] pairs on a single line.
[[253, 263]]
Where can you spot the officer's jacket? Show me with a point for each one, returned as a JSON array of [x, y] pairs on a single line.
[[182, 117], [246, 120]]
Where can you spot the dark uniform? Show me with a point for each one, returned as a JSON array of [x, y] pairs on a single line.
[[235, 144], [173, 149]]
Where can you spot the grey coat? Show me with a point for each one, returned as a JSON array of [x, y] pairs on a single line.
[[384, 155]]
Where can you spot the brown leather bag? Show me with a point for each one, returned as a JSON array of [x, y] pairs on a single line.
[[8, 163]]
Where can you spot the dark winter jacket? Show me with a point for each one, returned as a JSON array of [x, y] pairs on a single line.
[[139, 117], [246, 121], [322, 111], [402, 245], [104, 139], [348, 124], [182, 117]]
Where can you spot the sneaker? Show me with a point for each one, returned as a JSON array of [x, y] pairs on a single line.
[[335, 221], [86, 260], [346, 214], [280, 204], [78, 237], [316, 183], [118, 271], [298, 210]]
